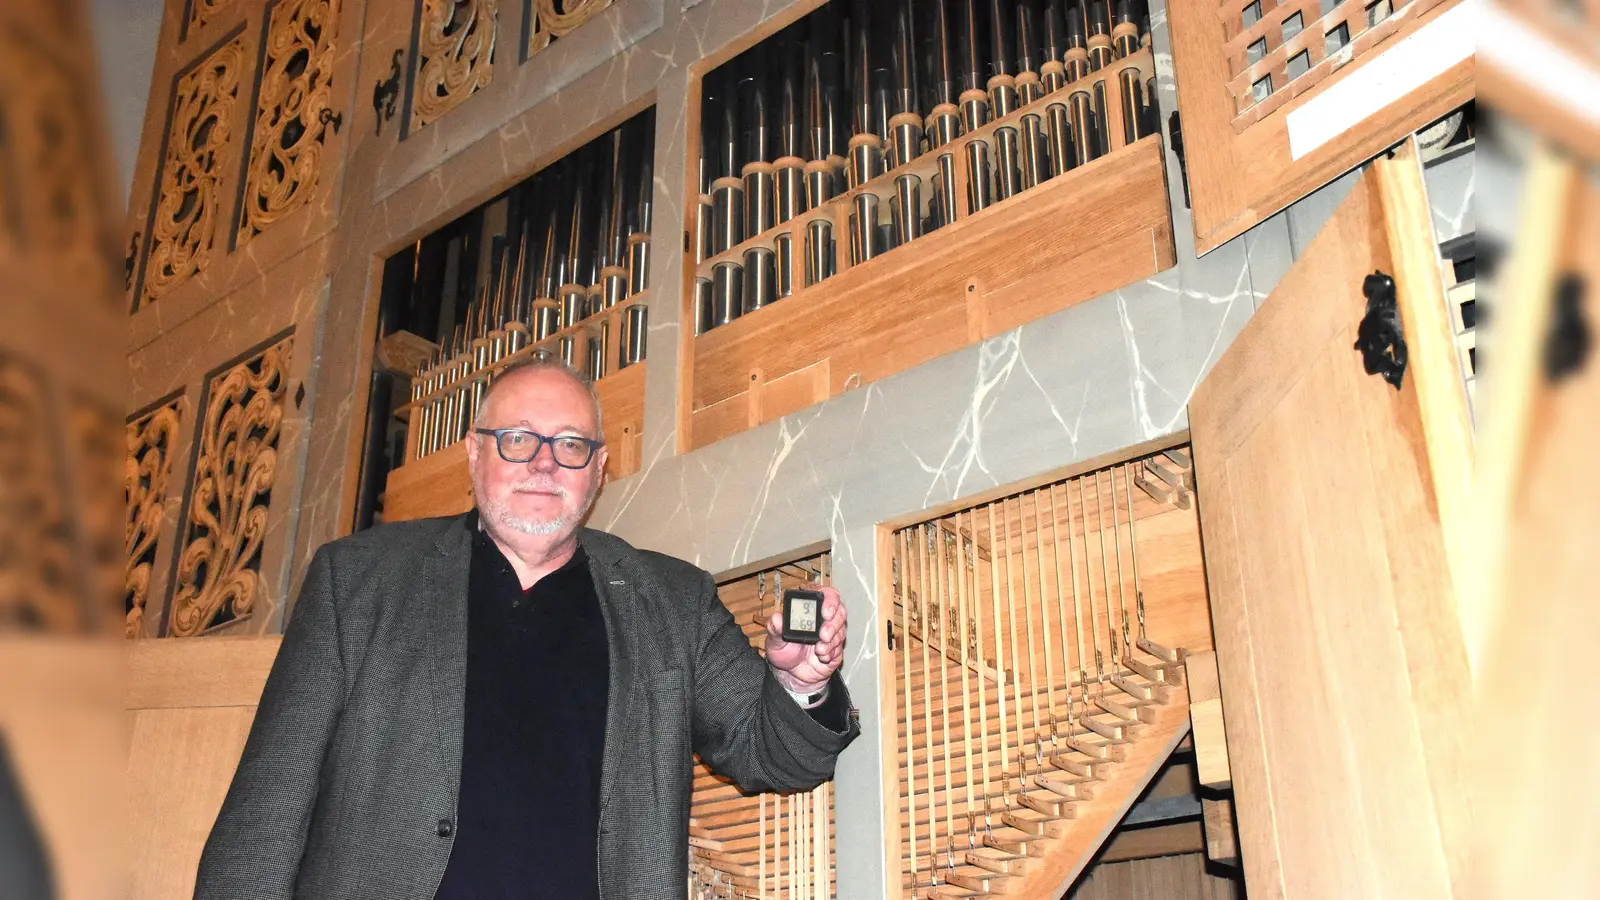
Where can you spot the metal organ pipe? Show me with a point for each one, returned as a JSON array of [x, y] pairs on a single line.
[[906, 127], [1125, 42], [1084, 142], [1101, 55]]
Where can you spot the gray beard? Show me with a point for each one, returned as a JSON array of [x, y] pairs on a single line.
[[499, 511]]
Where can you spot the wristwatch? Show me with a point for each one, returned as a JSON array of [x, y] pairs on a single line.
[[807, 701]]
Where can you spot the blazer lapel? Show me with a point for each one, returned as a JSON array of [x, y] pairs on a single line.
[[615, 591], [444, 597]]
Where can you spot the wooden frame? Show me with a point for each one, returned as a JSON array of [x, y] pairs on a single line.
[[1242, 173], [1092, 229], [1060, 842]]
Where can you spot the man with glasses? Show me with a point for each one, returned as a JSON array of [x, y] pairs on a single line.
[[503, 704]]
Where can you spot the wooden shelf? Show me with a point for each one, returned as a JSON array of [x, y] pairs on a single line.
[[1093, 229]]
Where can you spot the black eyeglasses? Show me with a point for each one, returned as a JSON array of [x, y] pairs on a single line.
[[519, 445]]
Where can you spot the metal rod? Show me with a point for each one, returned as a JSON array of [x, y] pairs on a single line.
[[866, 158], [865, 226], [907, 212], [1122, 596], [1088, 573], [1009, 180], [979, 188], [704, 306], [758, 198], [783, 249], [819, 250], [903, 573], [760, 276], [972, 586], [574, 304], [1044, 613], [1072, 562], [638, 262], [727, 214], [635, 332], [1027, 619], [789, 188], [727, 292], [1035, 152]]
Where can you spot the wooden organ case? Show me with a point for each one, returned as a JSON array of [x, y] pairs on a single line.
[[777, 846], [1038, 645], [1038, 661]]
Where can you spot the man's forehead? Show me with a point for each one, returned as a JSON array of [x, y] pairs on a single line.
[[535, 397]]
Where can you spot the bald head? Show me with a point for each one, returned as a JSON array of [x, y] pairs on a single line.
[[521, 370]]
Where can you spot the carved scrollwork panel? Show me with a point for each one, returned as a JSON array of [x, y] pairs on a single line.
[[290, 128], [218, 579], [455, 55], [188, 193], [203, 12], [146, 475], [42, 134], [37, 587], [551, 19]]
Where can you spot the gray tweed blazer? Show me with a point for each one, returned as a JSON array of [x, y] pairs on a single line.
[[348, 783]]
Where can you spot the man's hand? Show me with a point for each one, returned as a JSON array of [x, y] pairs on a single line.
[[805, 668]]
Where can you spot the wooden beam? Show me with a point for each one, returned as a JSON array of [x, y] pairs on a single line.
[[1205, 718], [1162, 840], [1222, 834]]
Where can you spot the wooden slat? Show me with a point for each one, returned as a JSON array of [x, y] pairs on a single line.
[[1237, 179]]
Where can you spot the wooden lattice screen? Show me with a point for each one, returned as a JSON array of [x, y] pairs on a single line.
[[767, 846]]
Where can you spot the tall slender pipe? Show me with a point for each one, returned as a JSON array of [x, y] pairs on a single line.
[[727, 190], [866, 145], [1003, 96], [942, 86], [641, 198], [1101, 56], [1084, 140], [1054, 44], [906, 126], [1125, 43], [789, 166]]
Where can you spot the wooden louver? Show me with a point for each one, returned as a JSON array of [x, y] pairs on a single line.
[[1037, 677], [768, 846]]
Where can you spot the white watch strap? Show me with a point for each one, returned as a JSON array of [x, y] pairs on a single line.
[[808, 701]]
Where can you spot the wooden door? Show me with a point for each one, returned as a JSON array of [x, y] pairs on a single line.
[[1343, 669]]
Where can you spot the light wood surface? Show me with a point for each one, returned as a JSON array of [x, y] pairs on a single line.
[[190, 704], [1339, 652], [65, 736], [1237, 179], [1222, 835], [1435, 364], [1206, 721], [1534, 819]]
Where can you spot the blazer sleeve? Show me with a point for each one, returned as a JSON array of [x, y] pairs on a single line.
[[257, 842], [746, 726]]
